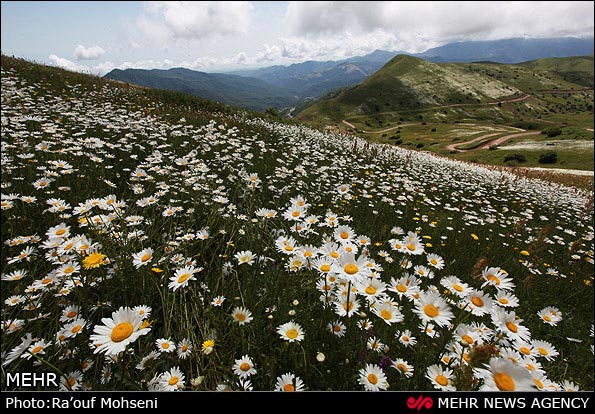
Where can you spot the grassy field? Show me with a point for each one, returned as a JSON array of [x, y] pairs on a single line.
[[155, 241]]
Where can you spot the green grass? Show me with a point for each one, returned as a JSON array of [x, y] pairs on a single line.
[[125, 144]]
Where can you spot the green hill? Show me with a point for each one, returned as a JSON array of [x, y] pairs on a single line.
[[408, 86], [578, 69]]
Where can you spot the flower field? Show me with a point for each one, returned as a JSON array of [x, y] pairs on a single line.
[[152, 241]]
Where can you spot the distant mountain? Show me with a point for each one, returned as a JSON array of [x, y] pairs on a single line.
[[407, 85], [234, 90], [514, 50], [313, 79]]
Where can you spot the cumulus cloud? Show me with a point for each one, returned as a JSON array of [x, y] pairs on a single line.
[[68, 64], [88, 53], [192, 20], [442, 22]]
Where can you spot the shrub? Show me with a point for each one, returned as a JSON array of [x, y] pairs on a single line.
[[552, 131], [515, 157], [548, 158]]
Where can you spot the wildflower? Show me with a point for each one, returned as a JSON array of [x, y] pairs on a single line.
[[403, 367], [182, 276], [142, 258], [172, 380], [504, 375], [241, 315], [123, 328], [291, 331], [244, 367], [165, 345], [289, 383], [94, 260], [432, 308], [208, 346], [372, 378], [245, 257], [440, 378], [337, 328]]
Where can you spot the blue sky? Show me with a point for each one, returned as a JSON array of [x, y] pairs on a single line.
[[214, 36]]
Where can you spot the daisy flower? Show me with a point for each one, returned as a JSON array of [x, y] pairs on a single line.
[[337, 328], [403, 367], [494, 276], [456, 286], [182, 276], [218, 300], [508, 324], [291, 331], [165, 345], [504, 375], [123, 328], [349, 268], [544, 349], [478, 303], [372, 378], [550, 315], [36, 348], [289, 383], [435, 261], [75, 327], [506, 299], [440, 378], [344, 234], [172, 380], [143, 310], [142, 258], [430, 307], [389, 313], [146, 360], [184, 348], [405, 338], [18, 350], [241, 315], [72, 382], [245, 257], [244, 367]]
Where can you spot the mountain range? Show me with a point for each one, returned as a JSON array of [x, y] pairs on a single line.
[[300, 83]]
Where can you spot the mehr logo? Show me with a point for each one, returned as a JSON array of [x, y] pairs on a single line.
[[420, 403]]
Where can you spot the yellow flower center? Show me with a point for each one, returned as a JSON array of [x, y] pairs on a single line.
[[183, 277], [344, 235], [434, 261], [145, 257], [165, 345], [71, 314], [244, 366], [538, 383], [240, 317], [68, 270], [512, 327], [288, 388], [372, 379], [458, 288], [442, 380], [76, 329], [411, 247], [325, 268], [402, 288], [71, 382], [386, 314], [308, 254], [46, 281], [334, 255], [291, 333], [121, 331], [36, 349], [60, 232], [295, 214], [431, 310], [525, 350], [337, 328], [184, 348], [503, 301], [370, 290], [173, 381], [467, 339], [402, 367], [543, 351], [547, 318], [351, 269], [347, 306], [405, 338], [477, 301], [493, 278]]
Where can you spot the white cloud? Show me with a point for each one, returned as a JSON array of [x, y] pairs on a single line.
[[88, 53], [422, 23], [192, 20], [68, 64]]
